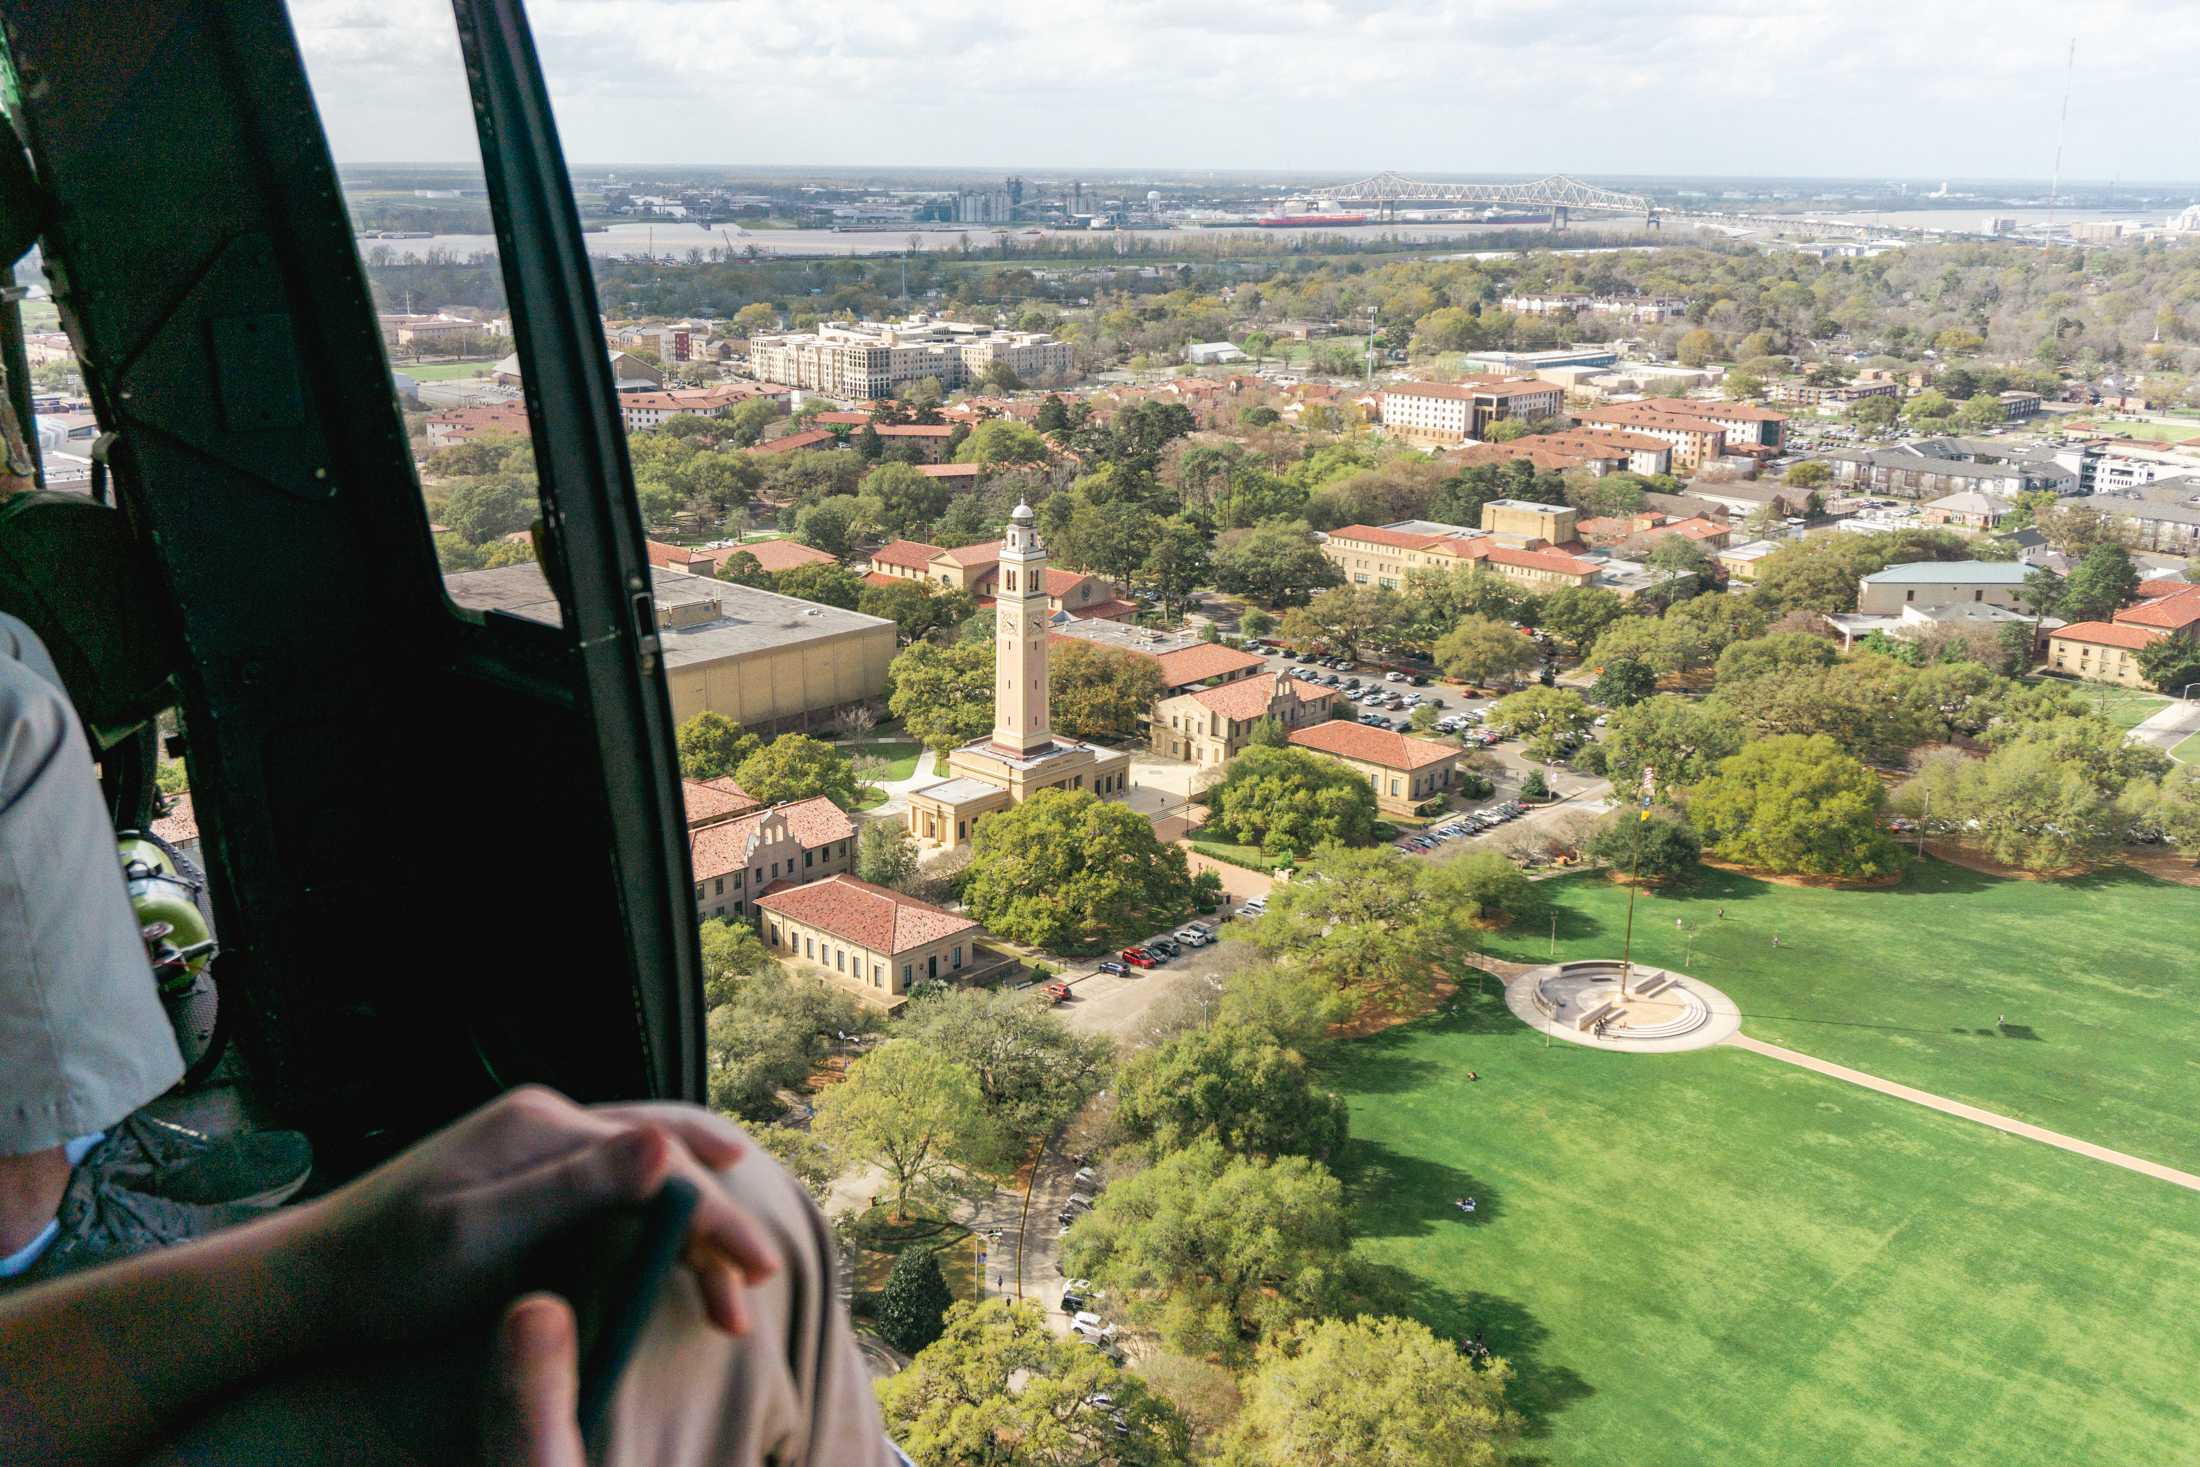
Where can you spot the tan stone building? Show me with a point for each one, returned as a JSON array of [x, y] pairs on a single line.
[[737, 858], [865, 939], [1384, 555], [1694, 438], [2108, 651], [1524, 521], [1942, 583], [977, 569], [770, 663], [1402, 771], [871, 359], [1022, 756], [1209, 726]]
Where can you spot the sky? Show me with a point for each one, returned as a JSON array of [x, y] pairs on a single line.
[[1793, 88]]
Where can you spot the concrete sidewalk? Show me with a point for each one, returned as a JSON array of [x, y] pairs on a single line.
[[2168, 727], [1969, 1112]]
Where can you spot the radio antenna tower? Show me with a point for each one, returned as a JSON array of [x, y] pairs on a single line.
[[2062, 129]]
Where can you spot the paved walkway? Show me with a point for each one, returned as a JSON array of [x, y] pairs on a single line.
[[1968, 1112], [2168, 727]]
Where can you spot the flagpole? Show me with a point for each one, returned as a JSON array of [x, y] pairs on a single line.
[[1634, 879]]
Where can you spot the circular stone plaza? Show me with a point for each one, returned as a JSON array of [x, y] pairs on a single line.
[[1661, 1012]]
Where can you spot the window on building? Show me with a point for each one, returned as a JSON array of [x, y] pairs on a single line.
[[840, 960], [809, 947], [809, 859], [958, 955], [908, 972], [719, 887]]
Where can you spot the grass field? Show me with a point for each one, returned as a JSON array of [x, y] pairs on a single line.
[[2187, 750], [1714, 1257], [2095, 977], [2153, 432]]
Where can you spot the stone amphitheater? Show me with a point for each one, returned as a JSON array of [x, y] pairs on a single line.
[[1663, 1012]]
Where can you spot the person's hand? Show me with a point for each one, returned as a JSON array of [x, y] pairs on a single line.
[[528, 1411], [440, 1234]]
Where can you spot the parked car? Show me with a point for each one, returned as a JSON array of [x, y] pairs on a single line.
[[1165, 949], [1058, 991], [1110, 965], [1137, 957], [1073, 1303], [1192, 937], [1394, 677]]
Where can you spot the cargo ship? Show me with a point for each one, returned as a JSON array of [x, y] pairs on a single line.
[[1308, 221]]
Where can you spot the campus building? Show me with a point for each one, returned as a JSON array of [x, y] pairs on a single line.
[[1403, 771], [1022, 757], [868, 940], [1384, 555], [737, 858], [770, 663], [1209, 726], [2108, 651], [874, 359], [1453, 412], [977, 569], [1694, 437], [1942, 583]]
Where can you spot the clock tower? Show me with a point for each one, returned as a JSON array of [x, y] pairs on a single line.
[[1020, 641]]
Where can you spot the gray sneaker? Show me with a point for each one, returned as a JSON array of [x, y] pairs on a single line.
[[103, 1220], [163, 1159]]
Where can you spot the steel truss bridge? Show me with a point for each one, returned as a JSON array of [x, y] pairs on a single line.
[[1557, 193]]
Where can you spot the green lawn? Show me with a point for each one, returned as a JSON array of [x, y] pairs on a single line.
[[446, 371], [900, 756], [2124, 707], [2095, 977], [1253, 858], [2187, 750], [1714, 1257]]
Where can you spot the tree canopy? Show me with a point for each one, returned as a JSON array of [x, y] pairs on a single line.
[[1797, 805], [798, 767], [1234, 1085], [1290, 802], [911, 1111], [1070, 872]]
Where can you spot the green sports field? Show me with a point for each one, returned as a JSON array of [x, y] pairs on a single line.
[[1715, 1257]]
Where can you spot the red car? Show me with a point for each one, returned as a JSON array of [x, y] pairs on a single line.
[[1137, 957], [1059, 992]]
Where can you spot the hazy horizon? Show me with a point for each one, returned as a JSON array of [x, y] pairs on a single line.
[[1607, 88]]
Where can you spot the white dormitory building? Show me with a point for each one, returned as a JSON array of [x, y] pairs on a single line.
[[871, 359]]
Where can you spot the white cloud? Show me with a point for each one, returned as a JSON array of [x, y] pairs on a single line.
[[1817, 87]]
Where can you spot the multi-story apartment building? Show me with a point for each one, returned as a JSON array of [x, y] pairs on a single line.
[[1597, 453], [1695, 439], [2108, 651], [1799, 393], [1452, 412], [1744, 422], [1942, 583], [1933, 468], [1647, 310], [873, 359]]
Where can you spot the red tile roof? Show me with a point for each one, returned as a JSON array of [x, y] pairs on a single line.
[[774, 555], [913, 430], [2105, 634], [1741, 412], [710, 800], [976, 557], [719, 850], [1242, 701], [1395, 539], [2148, 590], [2172, 613], [1113, 609], [912, 554], [1380, 746], [794, 442], [847, 419], [1197, 664], [869, 916], [951, 471], [880, 578]]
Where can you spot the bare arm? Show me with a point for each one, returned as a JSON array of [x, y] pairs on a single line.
[[100, 1367]]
